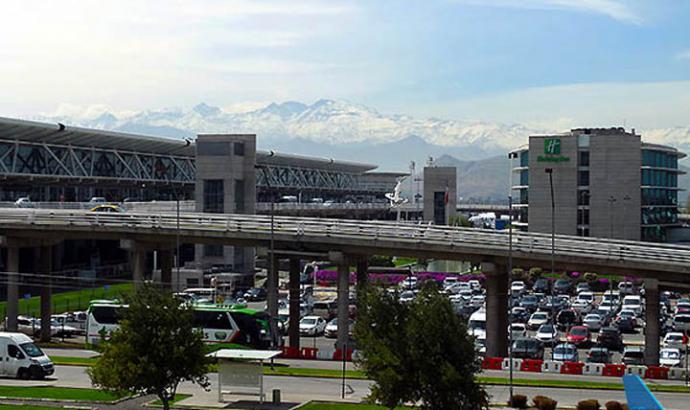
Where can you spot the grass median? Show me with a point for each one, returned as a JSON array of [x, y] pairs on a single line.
[[57, 393]]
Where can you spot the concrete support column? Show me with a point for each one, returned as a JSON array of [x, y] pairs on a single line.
[[362, 272], [45, 262], [165, 260], [293, 325], [138, 262], [12, 287], [651, 331], [343, 302], [496, 310], [272, 286]]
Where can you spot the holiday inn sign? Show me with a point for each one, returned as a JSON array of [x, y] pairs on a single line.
[[552, 151]]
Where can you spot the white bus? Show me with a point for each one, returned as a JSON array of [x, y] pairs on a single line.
[[218, 324]]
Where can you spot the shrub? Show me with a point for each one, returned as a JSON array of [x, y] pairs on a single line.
[[535, 273], [518, 273], [518, 401], [588, 405], [544, 403], [591, 277], [613, 405]]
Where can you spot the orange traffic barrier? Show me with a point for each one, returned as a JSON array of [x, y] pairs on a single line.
[[572, 368], [656, 372], [614, 370], [308, 353], [492, 363], [531, 365]]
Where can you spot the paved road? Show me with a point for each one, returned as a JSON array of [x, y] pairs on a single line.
[[298, 389]]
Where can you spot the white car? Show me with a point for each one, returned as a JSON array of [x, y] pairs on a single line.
[[612, 296], [537, 319], [475, 285], [582, 306], [626, 288], [547, 334], [332, 328], [593, 321], [634, 303], [681, 322], [450, 280], [312, 325], [24, 202], [410, 283], [517, 287], [670, 357], [517, 331], [608, 306], [586, 297], [407, 296], [673, 339]]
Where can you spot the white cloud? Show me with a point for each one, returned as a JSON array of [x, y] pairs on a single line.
[[640, 105], [614, 9], [683, 55]]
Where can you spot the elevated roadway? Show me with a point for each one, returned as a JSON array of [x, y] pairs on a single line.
[[658, 264]]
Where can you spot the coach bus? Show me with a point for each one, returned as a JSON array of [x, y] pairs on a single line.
[[218, 324]]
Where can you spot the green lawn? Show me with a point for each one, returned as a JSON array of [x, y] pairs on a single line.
[[23, 407], [69, 301], [57, 393]]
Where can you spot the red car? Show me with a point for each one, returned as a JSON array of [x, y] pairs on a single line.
[[579, 335]]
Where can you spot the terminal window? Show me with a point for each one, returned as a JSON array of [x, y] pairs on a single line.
[[213, 196], [239, 149], [440, 208]]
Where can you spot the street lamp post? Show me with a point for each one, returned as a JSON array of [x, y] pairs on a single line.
[[553, 222], [272, 276]]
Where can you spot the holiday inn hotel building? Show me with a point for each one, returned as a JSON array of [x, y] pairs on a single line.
[[606, 182]]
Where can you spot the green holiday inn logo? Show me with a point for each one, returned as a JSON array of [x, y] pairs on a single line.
[[552, 146], [552, 151]]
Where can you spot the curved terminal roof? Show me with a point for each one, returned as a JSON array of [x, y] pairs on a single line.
[[60, 134]]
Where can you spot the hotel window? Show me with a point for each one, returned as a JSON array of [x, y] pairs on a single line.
[[213, 196], [583, 178], [583, 158]]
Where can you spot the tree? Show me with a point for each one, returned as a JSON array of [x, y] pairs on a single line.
[[417, 352], [154, 350]]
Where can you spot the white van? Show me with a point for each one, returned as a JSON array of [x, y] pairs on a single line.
[[477, 324], [22, 358]]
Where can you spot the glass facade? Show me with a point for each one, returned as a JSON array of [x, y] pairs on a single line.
[[524, 177], [659, 159], [214, 201], [524, 159], [660, 178]]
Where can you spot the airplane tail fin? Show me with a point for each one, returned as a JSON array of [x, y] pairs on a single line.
[[638, 395]]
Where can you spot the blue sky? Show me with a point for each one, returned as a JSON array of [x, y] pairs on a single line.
[[600, 62]]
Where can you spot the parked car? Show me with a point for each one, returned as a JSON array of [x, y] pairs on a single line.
[[519, 314], [610, 338], [582, 307], [681, 322], [567, 318], [633, 355], [517, 287], [407, 296], [579, 336], [593, 321], [562, 287], [626, 288], [528, 349], [331, 330], [627, 314], [598, 355], [670, 357], [537, 319], [582, 287], [586, 296], [312, 326], [565, 352], [517, 331], [674, 339], [625, 324], [97, 200], [255, 294], [325, 308], [541, 285], [634, 303], [529, 302], [24, 202], [547, 334], [411, 282]]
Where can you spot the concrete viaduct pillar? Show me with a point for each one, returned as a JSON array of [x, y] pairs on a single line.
[[342, 262], [651, 331], [165, 257], [294, 301], [272, 285], [362, 272], [12, 287], [44, 259], [496, 309]]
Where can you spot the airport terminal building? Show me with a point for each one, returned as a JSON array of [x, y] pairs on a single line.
[[606, 182]]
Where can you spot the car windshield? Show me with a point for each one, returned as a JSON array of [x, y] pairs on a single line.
[[578, 331], [334, 322], [592, 318], [309, 321], [546, 329], [564, 350], [674, 338], [523, 344], [539, 316], [477, 324], [31, 349], [682, 319], [670, 354], [634, 354]]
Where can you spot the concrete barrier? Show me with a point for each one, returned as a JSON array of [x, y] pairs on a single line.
[[676, 373], [595, 369], [517, 363], [551, 366], [636, 370], [325, 354]]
